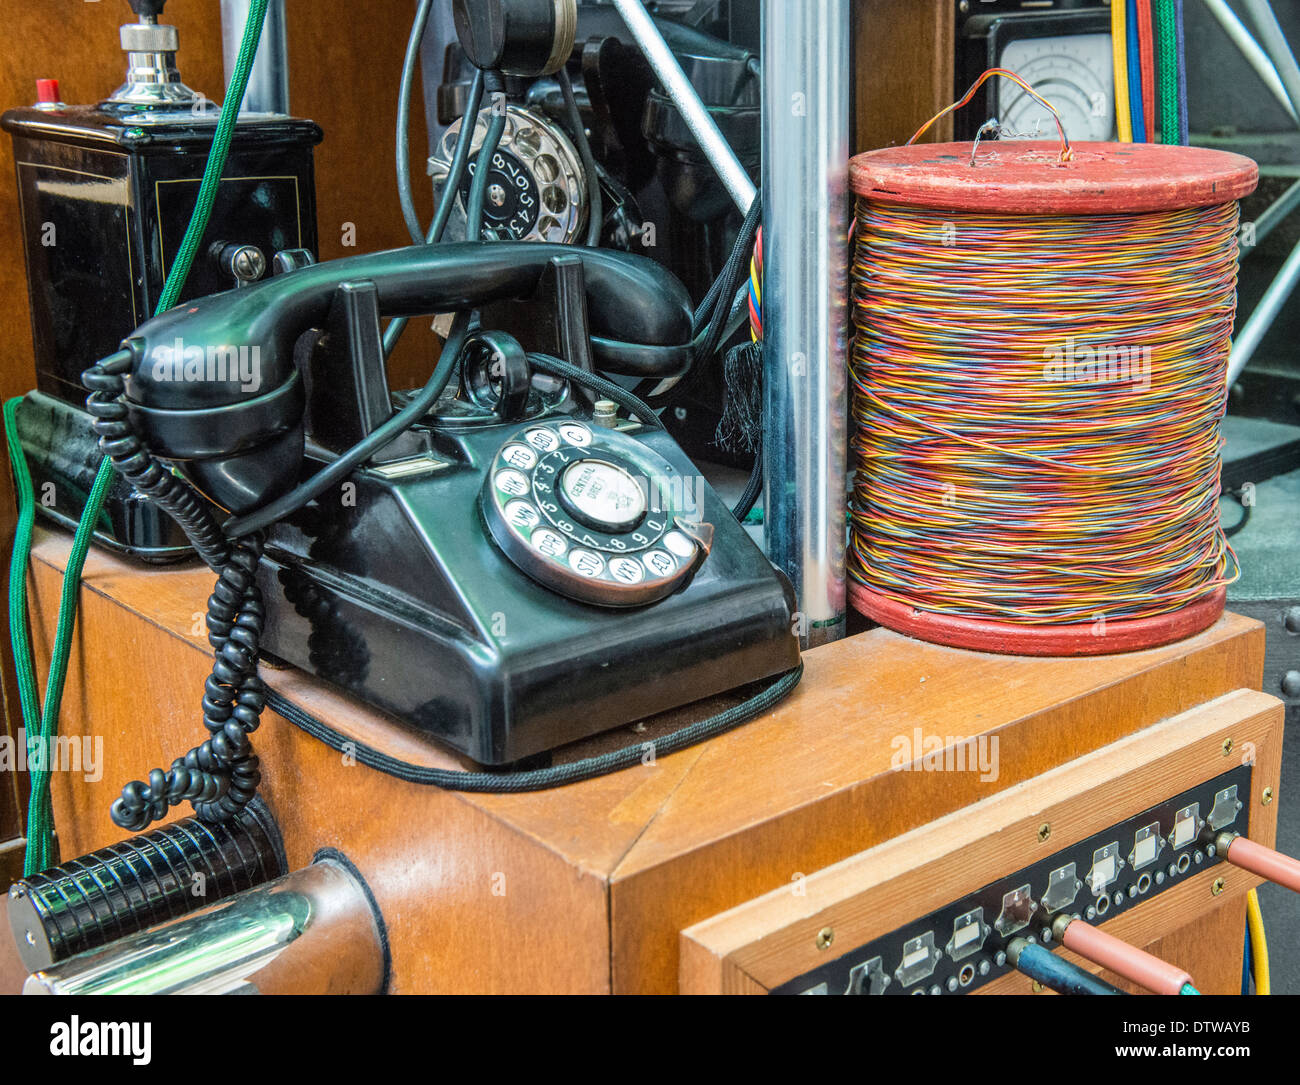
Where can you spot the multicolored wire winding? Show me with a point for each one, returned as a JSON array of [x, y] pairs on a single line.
[[1037, 405]]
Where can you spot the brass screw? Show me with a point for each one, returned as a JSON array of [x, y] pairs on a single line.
[[825, 937], [1227, 746], [1216, 887], [1044, 831], [1037, 987], [1266, 796]]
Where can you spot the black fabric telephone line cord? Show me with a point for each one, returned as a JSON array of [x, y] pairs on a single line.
[[713, 322], [459, 158], [754, 487], [336, 472], [539, 779], [403, 153], [637, 408], [494, 86], [729, 279]]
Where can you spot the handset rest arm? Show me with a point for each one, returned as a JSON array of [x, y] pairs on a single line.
[[213, 383], [630, 299]]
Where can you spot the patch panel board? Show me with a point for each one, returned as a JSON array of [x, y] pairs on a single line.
[[960, 947]]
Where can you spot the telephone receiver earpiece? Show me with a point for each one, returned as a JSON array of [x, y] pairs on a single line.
[[214, 385]]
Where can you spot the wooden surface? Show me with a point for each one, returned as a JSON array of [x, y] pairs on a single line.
[[586, 888], [771, 940], [904, 56], [345, 63]]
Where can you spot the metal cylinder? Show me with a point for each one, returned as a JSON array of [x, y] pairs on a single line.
[[1250, 49], [1273, 39], [315, 931], [806, 93], [128, 887], [268, 83]]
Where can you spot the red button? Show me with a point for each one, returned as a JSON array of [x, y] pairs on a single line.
[[47, 91]]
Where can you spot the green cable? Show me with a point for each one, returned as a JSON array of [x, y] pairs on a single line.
[[28, 690], [40, 828], [1167, 50]]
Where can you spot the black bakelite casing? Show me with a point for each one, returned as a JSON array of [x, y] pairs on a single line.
[[399, 596], [105, 197]]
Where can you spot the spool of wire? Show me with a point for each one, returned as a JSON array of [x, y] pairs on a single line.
[[1038, 377]]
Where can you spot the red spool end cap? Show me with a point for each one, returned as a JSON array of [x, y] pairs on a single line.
[[1009, 638], [1027, 177], [47, 91]]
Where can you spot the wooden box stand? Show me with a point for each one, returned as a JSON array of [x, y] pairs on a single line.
[[677, 874]]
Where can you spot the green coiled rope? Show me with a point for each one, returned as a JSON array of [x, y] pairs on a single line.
[[40, 721]]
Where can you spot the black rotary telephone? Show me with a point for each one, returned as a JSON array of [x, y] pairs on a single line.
[[498, 558]]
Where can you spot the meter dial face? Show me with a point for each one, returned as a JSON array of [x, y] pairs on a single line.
[[1073, 72], [593, 514]]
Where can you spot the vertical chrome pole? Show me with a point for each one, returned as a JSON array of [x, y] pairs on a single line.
[[268, 83], [806, 95]]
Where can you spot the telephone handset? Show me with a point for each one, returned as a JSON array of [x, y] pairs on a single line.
[[510, 572], [215, 383]]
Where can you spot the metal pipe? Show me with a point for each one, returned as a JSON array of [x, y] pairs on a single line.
[[1255, 56], [693, 111], [1276, 212], [268, 83], [1261, 318], [314, 931], [1270, 37], [806, 93]]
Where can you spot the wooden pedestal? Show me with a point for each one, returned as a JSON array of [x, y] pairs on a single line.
[[588, 888]]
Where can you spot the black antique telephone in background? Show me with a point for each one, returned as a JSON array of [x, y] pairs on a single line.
[[643, 185], [495, 558]]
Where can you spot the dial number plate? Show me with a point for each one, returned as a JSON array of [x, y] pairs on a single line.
[[592, 514]]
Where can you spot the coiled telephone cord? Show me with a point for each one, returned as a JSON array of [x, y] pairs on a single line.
[[219, 776]]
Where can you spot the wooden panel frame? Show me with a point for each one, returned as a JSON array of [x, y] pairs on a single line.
[[766, 942]]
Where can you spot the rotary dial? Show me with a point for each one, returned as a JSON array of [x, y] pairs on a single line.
[[593, 514]]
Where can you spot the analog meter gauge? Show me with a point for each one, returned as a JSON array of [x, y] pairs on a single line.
[[1064, 55], [1075, 73]]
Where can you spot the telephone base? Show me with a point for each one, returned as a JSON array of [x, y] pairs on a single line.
[[397, 593]]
